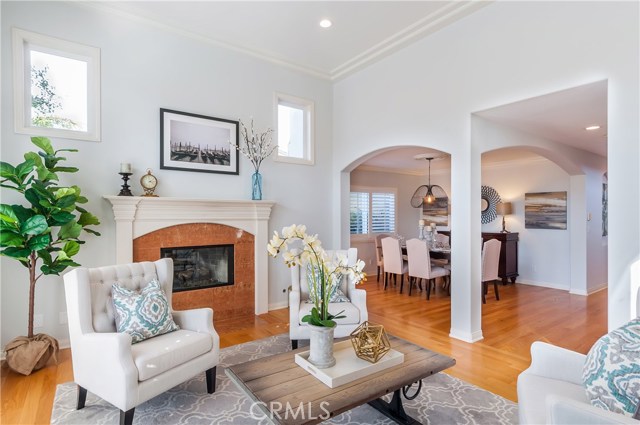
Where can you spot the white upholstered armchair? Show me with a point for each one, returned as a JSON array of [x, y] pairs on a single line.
[[355, 311], [106, 363]]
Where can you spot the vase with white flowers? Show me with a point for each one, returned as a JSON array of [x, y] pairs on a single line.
[[324, 275], [256, 147]]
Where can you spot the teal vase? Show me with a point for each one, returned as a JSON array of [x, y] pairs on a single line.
[[256, 183]]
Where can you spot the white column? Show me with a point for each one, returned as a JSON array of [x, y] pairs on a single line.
[[577, 226], [466, 236], [261, 238], [124, 211]]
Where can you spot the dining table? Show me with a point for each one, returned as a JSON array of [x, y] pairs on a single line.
[[439, 252]]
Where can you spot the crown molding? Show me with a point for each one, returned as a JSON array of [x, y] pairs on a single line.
[[404, 171], [431, 23], [425, 26], [515, 162], [416, 172], [265, 56]]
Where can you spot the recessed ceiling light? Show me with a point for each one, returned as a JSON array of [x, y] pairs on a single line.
[[592, 127], [325, 23]]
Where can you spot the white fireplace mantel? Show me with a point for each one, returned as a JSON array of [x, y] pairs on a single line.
[[136, 216]]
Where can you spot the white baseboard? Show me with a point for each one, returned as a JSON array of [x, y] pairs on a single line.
[[278, 306], [544, 284], [591, 291], [564, 287], [466, 336], [578, 292], [599, 288]]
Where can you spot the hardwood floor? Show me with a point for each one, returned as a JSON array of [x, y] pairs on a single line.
[[524, 314]]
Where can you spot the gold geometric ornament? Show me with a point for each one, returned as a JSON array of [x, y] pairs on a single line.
[[370, 342]]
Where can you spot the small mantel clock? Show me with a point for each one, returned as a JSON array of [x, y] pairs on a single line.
[[149, 183]]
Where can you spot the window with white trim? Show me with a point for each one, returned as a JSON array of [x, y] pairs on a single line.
[[372, 211], [57, 87], [294, 118]]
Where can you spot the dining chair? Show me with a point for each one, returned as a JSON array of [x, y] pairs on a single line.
[[379, 255], [420, 265], [393, 262], [442, 240], [490, 263]]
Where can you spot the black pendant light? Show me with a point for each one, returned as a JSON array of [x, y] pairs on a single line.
[[427, 194]]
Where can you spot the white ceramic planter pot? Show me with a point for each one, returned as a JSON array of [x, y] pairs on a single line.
[[321, 347]]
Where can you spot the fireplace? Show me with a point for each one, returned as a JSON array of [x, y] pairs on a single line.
[[145, 225], [198, 267]]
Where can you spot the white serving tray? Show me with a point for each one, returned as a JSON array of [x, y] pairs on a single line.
[[348, 367]]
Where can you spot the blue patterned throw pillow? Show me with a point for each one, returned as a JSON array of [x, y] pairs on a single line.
[[336, 296], [611, 371], [142, 314]]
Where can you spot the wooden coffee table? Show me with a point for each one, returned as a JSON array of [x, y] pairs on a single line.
[[285, 393]]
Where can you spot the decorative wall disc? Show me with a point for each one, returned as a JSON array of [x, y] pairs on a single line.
[[490, 199]]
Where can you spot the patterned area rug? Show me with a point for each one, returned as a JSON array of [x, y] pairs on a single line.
[[443, 400]]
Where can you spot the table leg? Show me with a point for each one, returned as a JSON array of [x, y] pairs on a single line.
[[394, 409]]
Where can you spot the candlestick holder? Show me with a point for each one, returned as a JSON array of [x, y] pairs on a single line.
[[125, 191]]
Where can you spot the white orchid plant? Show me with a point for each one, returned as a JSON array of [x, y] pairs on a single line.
[[255, 146], [325, 273]]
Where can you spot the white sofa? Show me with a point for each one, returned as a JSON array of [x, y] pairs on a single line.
[[355, 311], [551, 391], [107, 364]]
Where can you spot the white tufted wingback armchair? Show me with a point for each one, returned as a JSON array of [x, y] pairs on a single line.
[[355, 311], [107, 364]]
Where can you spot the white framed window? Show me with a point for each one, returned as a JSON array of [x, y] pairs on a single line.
[[56, 87], [294, 129], [372, 210]]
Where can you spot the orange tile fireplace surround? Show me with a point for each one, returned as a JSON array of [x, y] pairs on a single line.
[[226, 301], [156, 222]]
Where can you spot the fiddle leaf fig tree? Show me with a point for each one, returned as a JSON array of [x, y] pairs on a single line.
[[44, 233]]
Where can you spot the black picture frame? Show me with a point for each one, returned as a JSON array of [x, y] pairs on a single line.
[[199, 143]]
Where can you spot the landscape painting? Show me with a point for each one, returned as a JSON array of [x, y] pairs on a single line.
[[545, 210], [436, 212]]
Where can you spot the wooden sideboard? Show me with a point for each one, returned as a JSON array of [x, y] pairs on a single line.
[[508, 268]]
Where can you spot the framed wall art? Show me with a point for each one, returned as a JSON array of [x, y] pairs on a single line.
[[436, 212], [545, 210], [191, 142]]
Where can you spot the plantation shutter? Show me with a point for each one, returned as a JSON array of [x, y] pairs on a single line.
[[383, 212], [359, 213]]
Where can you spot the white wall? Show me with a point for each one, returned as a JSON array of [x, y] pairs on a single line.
[[145, 68], [425, 94], [543, 255]]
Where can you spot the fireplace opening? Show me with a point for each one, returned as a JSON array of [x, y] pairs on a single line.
[[197, 267]]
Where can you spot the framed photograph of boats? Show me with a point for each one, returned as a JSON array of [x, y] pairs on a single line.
[[191, 142]]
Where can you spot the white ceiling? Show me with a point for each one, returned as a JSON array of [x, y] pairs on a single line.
[[561, 116], [288, 32]]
